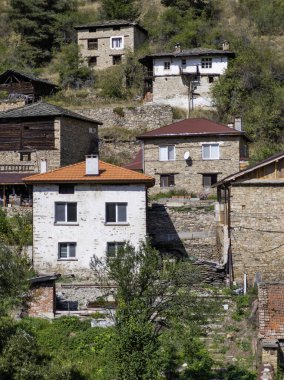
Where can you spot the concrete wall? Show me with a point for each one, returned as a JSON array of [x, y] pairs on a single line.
[[78, 138], [90, 232], [257, 231], [105, 52], [188, 174]]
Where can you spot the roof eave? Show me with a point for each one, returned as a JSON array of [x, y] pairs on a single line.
[[143, 137]]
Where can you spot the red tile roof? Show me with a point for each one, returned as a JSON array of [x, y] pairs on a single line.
[[108, 174], [136, 163], [192, 127]]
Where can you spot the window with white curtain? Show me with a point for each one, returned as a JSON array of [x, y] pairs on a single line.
[[167, 153], [210, 152]]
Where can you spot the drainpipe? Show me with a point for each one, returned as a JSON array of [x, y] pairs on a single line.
[[230, 258]]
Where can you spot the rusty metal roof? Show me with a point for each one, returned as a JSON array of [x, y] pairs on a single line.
[[192, 127]]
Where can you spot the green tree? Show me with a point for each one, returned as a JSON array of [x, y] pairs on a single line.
[[70, 67], [151, 296], [40, 25], [119, 9]]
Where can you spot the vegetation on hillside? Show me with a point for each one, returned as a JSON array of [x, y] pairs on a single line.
[[40, 37]]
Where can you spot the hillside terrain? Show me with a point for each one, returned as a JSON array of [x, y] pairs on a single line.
[[252, 87]]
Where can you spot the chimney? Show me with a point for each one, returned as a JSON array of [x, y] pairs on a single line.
[[92, 164], [238, 124], [225, 45], [43, 165], [230, 125], [177, 48]]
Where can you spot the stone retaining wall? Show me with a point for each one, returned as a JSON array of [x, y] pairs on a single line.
[[144, 117], [185, 228]]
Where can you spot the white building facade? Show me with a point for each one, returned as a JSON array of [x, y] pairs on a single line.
[[76, 219], [184, 78]]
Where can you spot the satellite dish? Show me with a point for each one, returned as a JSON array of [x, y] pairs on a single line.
[[186, 155]]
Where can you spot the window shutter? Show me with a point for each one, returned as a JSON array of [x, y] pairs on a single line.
[[163, 153]]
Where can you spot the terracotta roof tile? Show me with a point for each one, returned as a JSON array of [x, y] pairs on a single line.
[[108, 173], [191, 127]]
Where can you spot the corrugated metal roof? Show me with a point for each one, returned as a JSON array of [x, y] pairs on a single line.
[[42, 109], [192, 127], [76, 173]]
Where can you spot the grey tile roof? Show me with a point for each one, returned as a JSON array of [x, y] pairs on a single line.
[[28, 76], [107, 23], [189, 53], [42, 109]]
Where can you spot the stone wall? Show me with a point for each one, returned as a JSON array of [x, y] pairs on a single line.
[[78, 139], [104, 51], [188, 174], [121, 125], [184, 228], [257, 219], [142, 118]]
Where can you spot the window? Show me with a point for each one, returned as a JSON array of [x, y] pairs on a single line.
[[65, 212], [116, 60], [206, 63], [92, 30], [116, 212], [167, 65], [167, 153], [92, 61], [210, 152], [66, 250], [210, 79], [116, 28], [93, 44], [209, 179], [183, 61], [66, 189], [167, 180], [116, 43], [25, 157], [113, 247]]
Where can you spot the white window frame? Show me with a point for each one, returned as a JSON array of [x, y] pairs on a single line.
[[65, 221], [68, 245], [210, 145], [162, 158], [116, 221], [167, 65], [122, 42]]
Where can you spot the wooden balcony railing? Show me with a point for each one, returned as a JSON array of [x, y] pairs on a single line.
[[17, 168]]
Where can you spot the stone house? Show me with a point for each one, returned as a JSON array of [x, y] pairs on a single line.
[[192, 154], [89, 208], [105, 44], [184, 78], [40, 136], [25, 87], [250, 220]]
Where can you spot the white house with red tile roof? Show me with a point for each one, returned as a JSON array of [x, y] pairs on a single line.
[[85, 209], [192, 154]]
